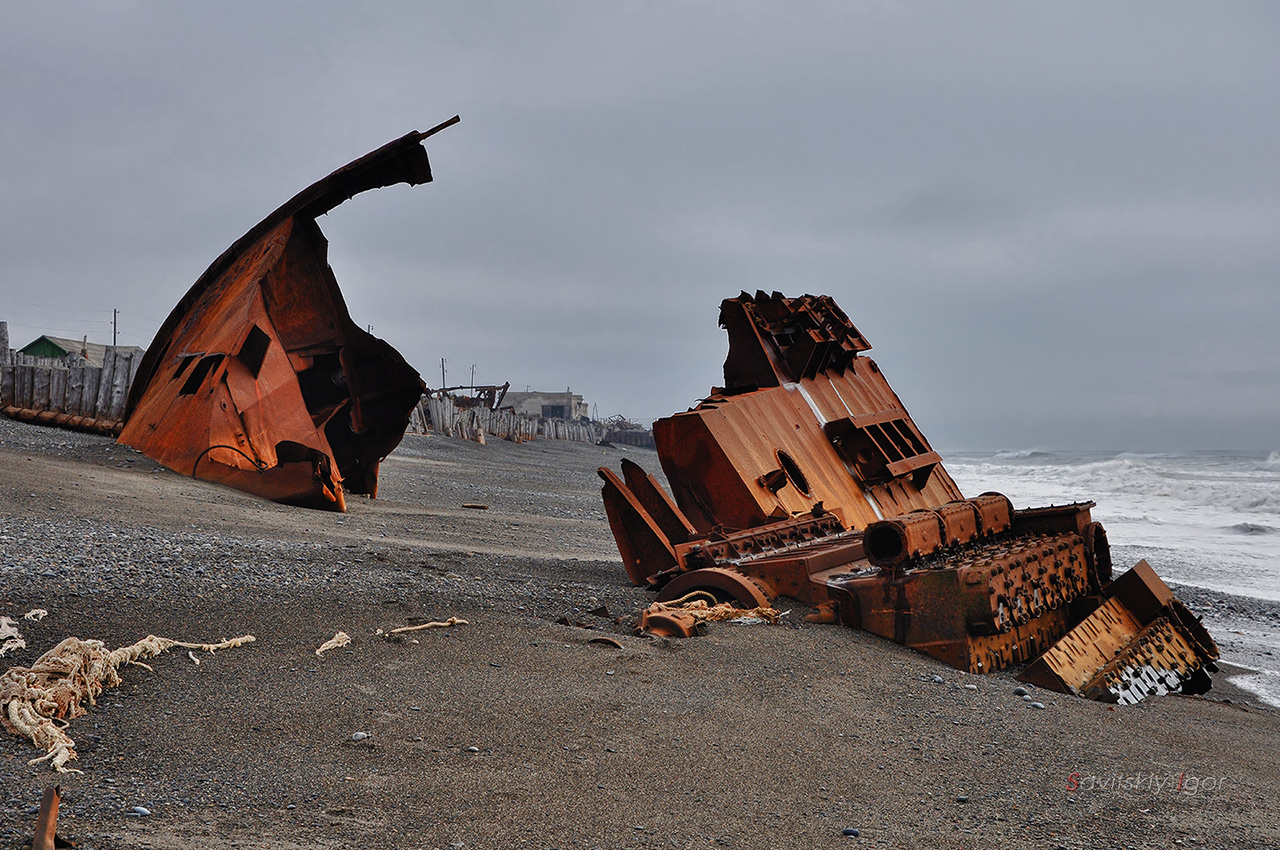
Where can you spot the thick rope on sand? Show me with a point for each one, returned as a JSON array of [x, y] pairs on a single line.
[[341, 639], [689, 603], [56, 687], [10, 638]]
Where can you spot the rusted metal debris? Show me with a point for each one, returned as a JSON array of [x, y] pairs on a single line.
[[619, 430], [260, 380], [488, 397], [804, 476], [72, 422], [46, 834]]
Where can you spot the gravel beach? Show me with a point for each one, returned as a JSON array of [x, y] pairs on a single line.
[[515, 731]]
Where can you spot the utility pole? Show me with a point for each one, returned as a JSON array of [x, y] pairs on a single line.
[[442, 383], [115, 314], [473, 377]]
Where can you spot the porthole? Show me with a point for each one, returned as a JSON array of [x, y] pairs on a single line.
[[792, 469]]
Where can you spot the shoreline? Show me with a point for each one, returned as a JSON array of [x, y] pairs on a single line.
[[1247, 631]]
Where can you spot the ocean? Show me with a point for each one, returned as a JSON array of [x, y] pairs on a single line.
[[1206, 520]]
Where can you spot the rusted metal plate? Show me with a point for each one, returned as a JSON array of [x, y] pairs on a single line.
[[260, 380], [1140, 642], [806, 477], [743, 459]]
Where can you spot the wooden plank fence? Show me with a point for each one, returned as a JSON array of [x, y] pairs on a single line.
[[73, 394], [443, 416], [66, 391]]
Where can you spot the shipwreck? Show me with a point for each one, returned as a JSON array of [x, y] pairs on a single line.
[[805, 477], [259, 379]]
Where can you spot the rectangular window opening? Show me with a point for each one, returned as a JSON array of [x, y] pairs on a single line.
[[198, 374], [254, 350]]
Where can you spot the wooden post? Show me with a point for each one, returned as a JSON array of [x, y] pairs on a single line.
[[25, 390], [122, 363], [5, 391], [75, 391], [102, 404], [58, 390], [92, 379]]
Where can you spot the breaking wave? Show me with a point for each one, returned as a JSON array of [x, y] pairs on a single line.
[[1230, 484], [1251, 528], [1208, 518], [1022, 454]]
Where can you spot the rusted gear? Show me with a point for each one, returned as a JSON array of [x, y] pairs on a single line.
[[718, 581], [1098, 554], [661, 622]]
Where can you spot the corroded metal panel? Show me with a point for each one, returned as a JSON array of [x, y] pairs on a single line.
[[1140, 642]]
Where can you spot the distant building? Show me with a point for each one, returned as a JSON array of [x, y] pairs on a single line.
[[565, 405], [56, 347]]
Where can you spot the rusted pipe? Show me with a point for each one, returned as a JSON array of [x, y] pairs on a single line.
[[891, 541]]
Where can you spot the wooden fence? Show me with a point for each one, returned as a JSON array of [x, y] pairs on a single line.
[[443, 416], [66, 391], [73, 394]]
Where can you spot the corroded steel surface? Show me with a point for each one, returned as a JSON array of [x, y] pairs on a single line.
[[1140, 642], [260, 380], [46, 834], [804, 476]]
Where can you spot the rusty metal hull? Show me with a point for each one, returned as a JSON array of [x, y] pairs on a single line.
[[806, 477], [260, 380]]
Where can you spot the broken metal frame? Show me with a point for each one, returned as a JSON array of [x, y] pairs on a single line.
[[488, 396], [259, 379], [804, 476]]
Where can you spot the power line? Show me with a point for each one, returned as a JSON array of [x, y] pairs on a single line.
[[51, 307], [89, 327], [58, 319], [61, 309], [80, 331]]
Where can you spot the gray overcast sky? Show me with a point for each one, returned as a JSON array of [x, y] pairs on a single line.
[[1057, 223]]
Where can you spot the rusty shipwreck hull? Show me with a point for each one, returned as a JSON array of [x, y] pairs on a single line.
[[804, 476], [260, 380]]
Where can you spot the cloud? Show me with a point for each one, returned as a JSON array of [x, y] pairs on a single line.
[[1057, 225]]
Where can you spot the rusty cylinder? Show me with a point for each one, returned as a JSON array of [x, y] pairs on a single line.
[[889, 542]]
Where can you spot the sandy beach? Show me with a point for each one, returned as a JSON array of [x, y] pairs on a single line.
[[515, 731]]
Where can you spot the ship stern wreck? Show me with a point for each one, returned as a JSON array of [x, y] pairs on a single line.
[[260, 380]]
